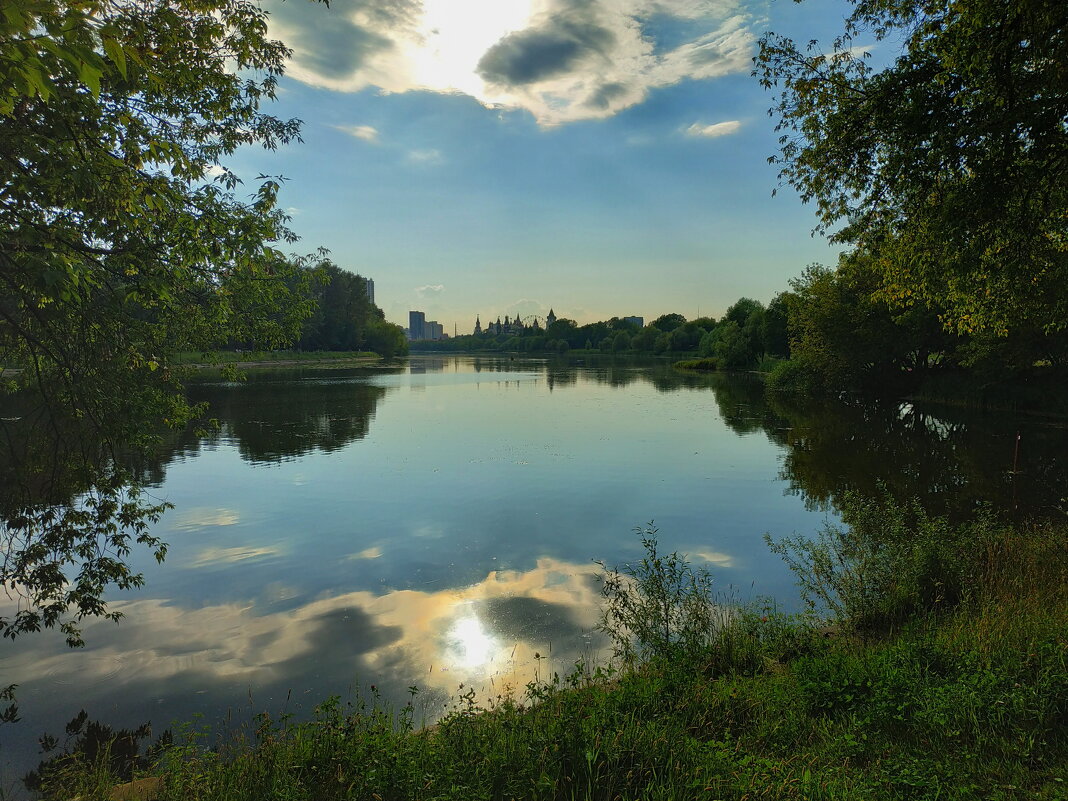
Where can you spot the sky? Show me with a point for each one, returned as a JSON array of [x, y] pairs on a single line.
[[598, 158]]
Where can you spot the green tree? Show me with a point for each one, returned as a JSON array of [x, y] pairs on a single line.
[[345, 319], [385, 338], [645, 339], [668, 322], [121, 247], [730, 346], [851, 339], [742, 311], [565, 329], [950, 164], [686, 337], [774, 333]]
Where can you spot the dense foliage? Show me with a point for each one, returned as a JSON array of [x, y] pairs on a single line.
[[344, 318], [122, 243], [948, 165], [845, 336]]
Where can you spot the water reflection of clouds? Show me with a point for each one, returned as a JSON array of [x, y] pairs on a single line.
[[219, 556], [175, 658], [715, 557], [194, 518]]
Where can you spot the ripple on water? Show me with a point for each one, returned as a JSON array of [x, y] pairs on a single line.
[[92, 669]]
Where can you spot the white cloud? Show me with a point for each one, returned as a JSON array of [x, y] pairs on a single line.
[[561, 60], [714, 130], [430, 156], [429, 290], [364, 132]]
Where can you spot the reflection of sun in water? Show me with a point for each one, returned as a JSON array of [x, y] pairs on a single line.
[[468, 644]]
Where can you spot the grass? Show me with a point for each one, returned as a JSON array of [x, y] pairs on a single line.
[[960, 695]]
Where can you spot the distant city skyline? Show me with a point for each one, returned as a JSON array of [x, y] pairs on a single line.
[[472, 168], [420, 328]]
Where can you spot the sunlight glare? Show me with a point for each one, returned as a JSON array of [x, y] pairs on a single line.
[[456, 34], [473, 646]]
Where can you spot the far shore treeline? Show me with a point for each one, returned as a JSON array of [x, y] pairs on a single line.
[[828, 333]]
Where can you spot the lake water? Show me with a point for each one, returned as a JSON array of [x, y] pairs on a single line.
[[435, 524]]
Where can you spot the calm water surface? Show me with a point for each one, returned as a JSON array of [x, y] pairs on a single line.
[[435, 524]]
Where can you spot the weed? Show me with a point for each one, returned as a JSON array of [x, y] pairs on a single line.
[[659, 607]]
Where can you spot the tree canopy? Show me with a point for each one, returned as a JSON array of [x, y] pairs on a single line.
[[122, 243], [949, 165], [344, 318]]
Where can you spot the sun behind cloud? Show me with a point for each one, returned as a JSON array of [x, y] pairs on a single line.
[[561, 60]]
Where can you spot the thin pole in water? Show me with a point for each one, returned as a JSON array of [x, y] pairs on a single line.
[[1015, 463]]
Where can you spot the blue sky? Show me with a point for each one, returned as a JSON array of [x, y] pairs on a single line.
[[492, 157]]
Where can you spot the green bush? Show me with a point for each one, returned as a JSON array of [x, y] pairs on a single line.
[[889, 562], [794, 377], [767, 363], [659, 607], [697, 364]]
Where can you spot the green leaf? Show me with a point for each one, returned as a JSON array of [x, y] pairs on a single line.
[[116, 54], [90, 76]]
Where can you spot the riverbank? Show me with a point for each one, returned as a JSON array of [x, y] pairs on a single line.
[[246, 360], [944, 675]]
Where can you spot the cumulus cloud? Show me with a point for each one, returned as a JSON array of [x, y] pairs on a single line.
[[714, 130], [364, 132], [553, 46], [561, 60], [429, 290]]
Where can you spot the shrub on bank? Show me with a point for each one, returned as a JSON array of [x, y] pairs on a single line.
[[794, 377]]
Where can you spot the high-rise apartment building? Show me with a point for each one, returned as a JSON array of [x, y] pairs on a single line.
[[369, 285], [416, 325]]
